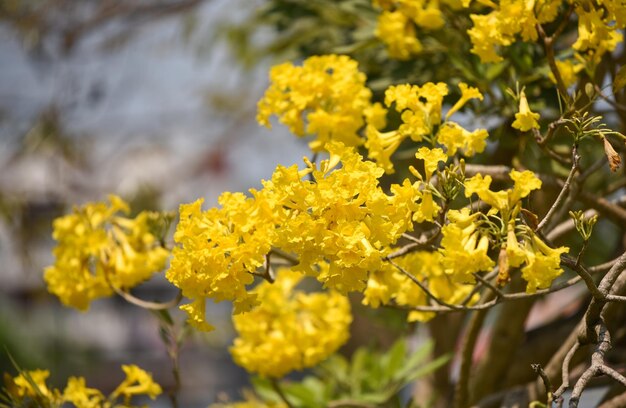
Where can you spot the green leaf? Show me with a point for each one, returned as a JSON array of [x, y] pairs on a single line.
[[358, 369], [263, 388], [414, 360], [428, 368], [395, 358], [620, 80], [308, 393]]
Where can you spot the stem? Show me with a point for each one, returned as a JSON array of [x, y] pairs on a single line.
[[279, 391]]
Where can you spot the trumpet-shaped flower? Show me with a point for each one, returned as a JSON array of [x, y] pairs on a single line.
[[432, 158], [137, 382], [525, 119], [467, 93], [543, 264]]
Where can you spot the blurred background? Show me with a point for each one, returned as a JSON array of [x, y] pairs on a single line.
[[145, 99]]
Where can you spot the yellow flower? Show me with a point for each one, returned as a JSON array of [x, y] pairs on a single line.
[[480, 185], [382, 145], [568, 71], [454, 138], [397, 24], [525, 119], [137, 382], [428, 208], [431, 158], [505, 201], [486, 36], [32, 384], [289, 329], [525, 182], [197, 314], [77, 393], [543, 264], [467, 93], [398, 33], [515, 253], [420, 112]]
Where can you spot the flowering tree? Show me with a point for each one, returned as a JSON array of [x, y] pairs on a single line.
[[462, 154]]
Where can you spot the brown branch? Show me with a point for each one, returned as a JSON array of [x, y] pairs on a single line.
[[147, 304], [140, 302], [584, 274], [565, 370], [461, 392], [548, 42], [493, 302], [546, 382], [598, 365]]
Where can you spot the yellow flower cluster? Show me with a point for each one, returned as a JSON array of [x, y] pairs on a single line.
[[464, 247], [338, 225], [599, 25], [389, 285], [507, 202], [508, 19], [326, 97], [99, 249], [290, 329], [31, 386], [421, 116], [542, 263], [599, 22], [398, 23]]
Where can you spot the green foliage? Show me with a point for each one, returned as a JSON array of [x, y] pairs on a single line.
[[368, 378]]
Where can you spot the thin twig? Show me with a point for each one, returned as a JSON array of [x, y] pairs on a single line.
[[546, 382], [564, 190], [565, 370], [424, 287], [488, 305], [147, 304]]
